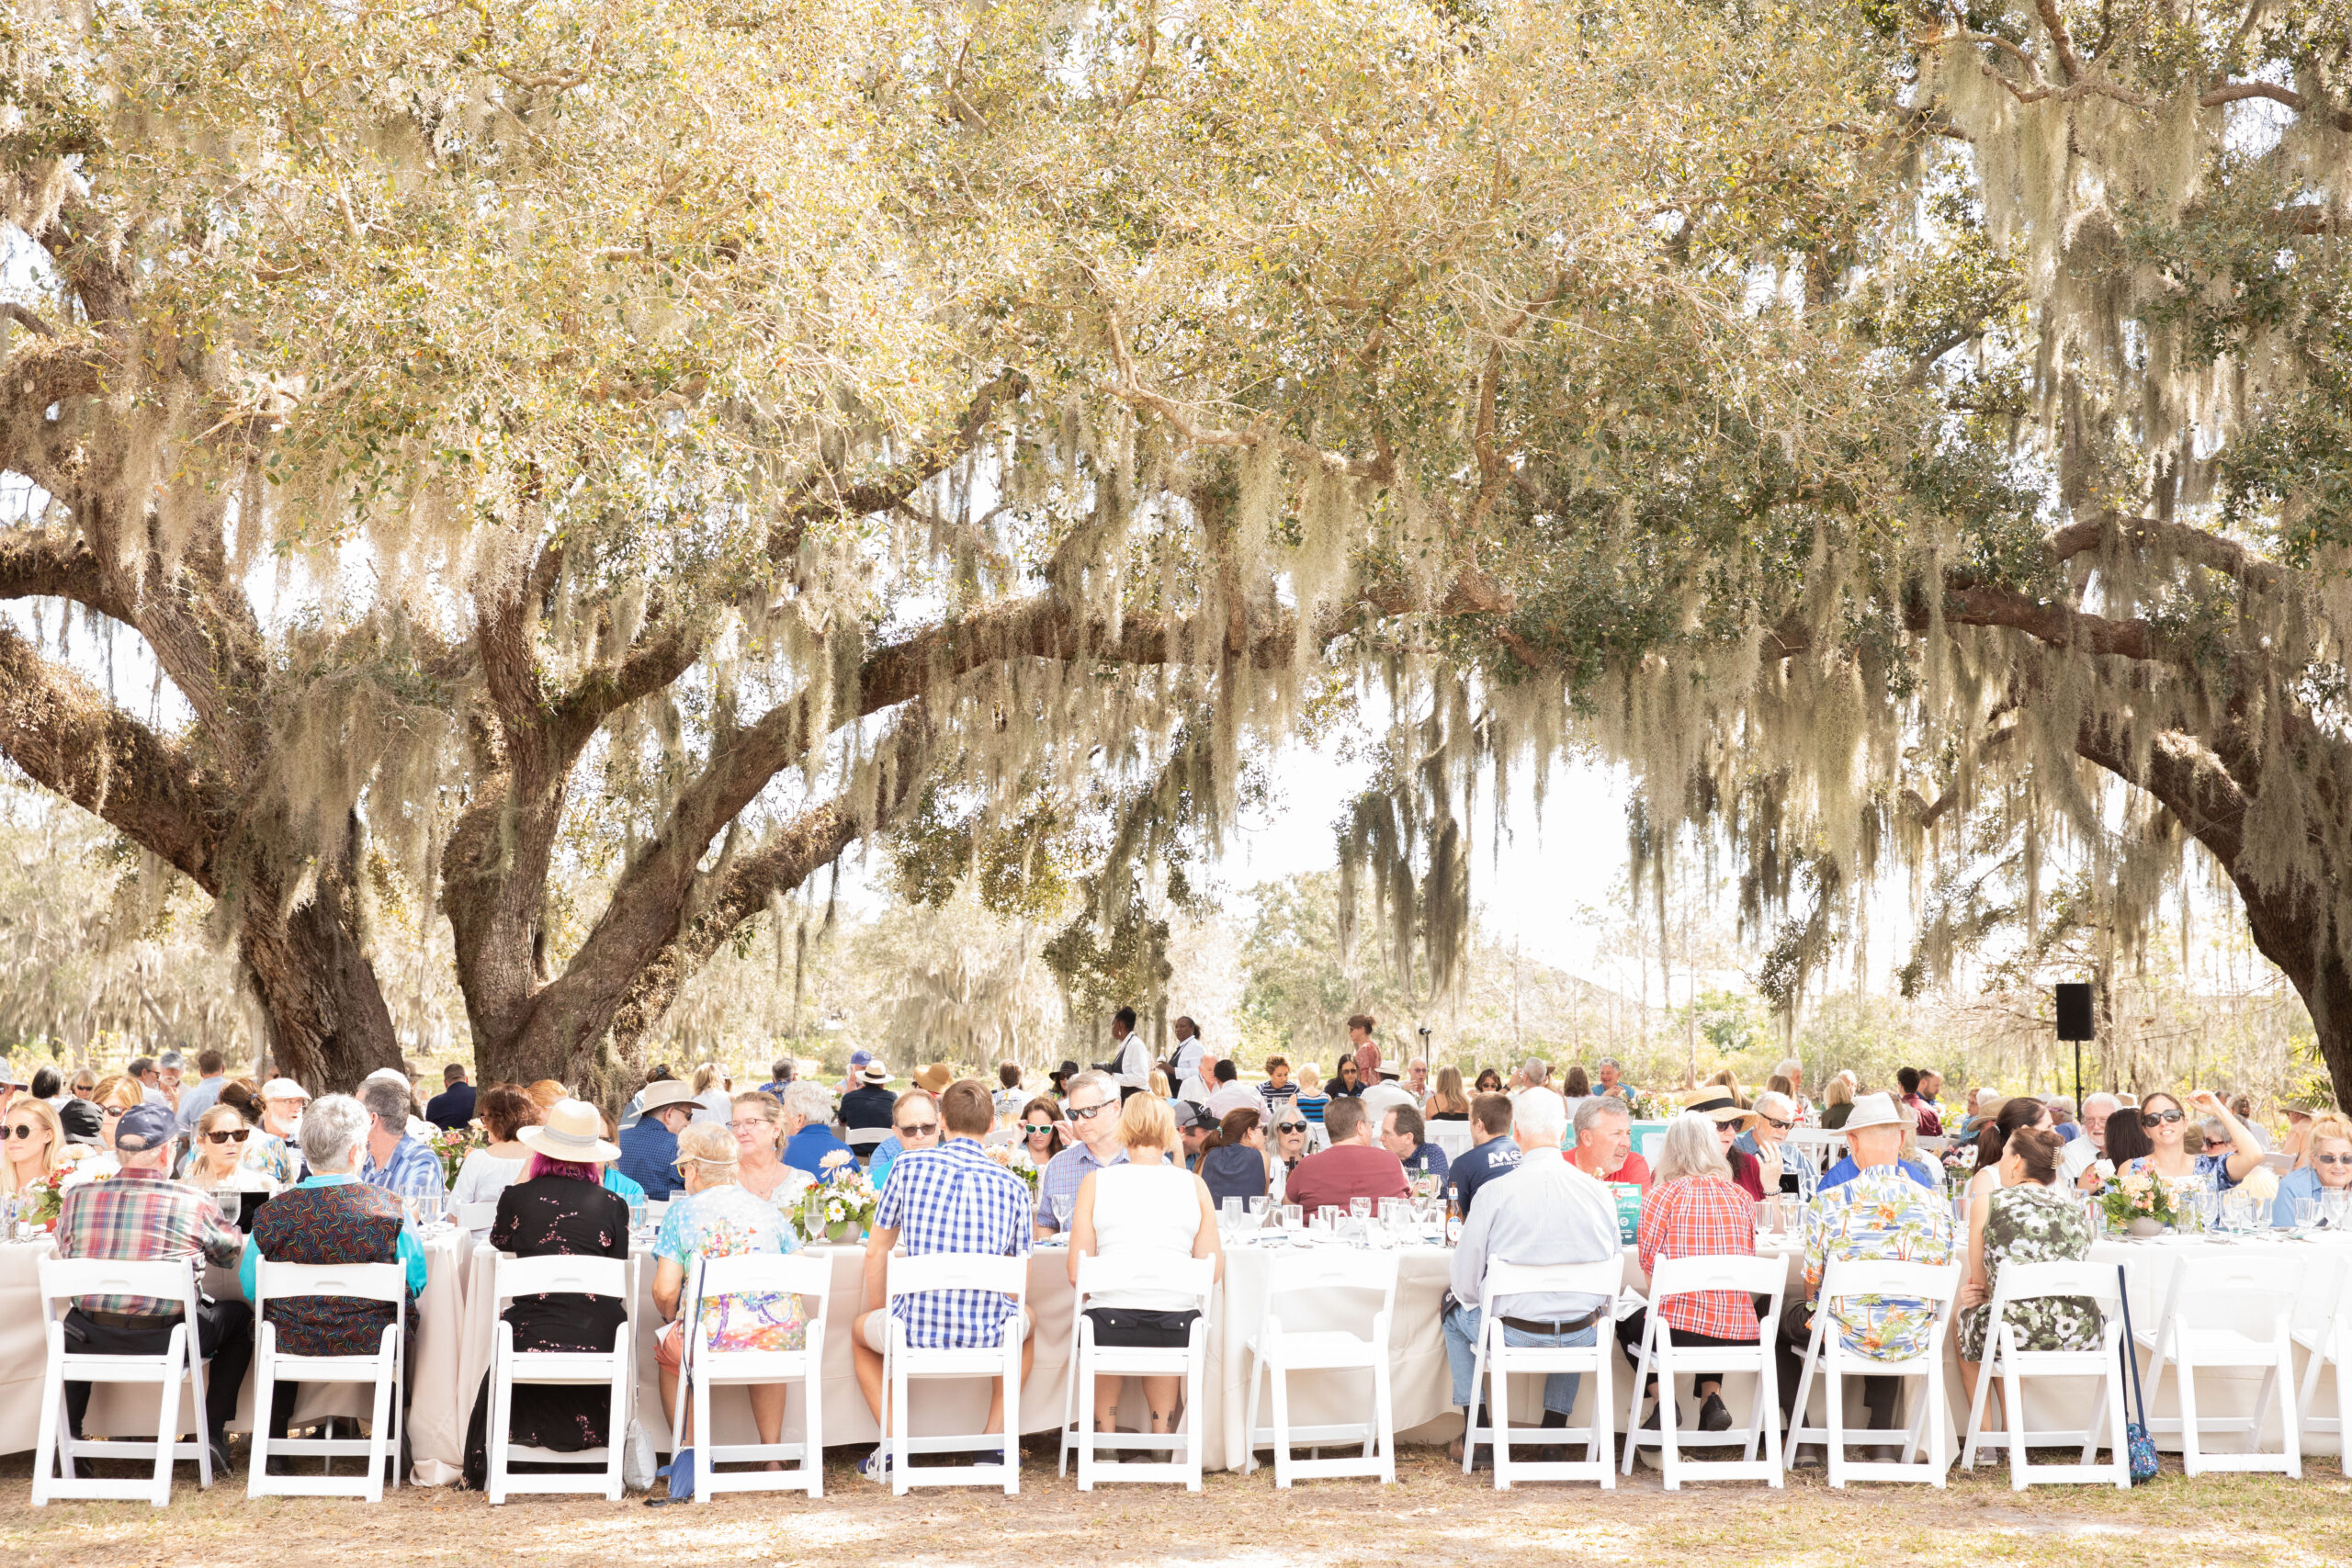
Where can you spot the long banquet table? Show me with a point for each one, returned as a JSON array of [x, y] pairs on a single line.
[[457, 1319]]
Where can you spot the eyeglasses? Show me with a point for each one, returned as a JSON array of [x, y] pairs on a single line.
[[1088, 1112], [24, 1130], [2332, 1159], [1290, 1126], [1036, 1129], [112, 1110], [752, 1125], [917, 1129], [2158, 1118], [228, 1135]]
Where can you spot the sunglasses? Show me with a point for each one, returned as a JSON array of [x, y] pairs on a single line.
[[2158, 1118], [2332, 1159], [1777, 1125], [228, 1135], [1290, 1126], [25, 1131], [916, 1129], [1088, 1112], [1036, 1129]]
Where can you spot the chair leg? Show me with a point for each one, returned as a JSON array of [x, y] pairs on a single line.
[[1642, 1371], [2192, 1458], [1932, 1414], [1499, 1415], [497, 1424], [2288, 1424], [1470, 1416], [1383, 1424], [195, 1393], [1604, 1394], [2336, 1351], [703, 1434], [1768, 1412], [1086, 1421], [616, 1429], [1279, 1376], [1834, 1395], [898, 1453], [379, 1434], [812, 1428], [1196, 1361], [1248, 1421], [167, 1424], [1669, 1423]]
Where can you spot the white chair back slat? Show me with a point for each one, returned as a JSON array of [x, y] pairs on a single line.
[[1730, 1271], [561, 1274], [1194, 1276], [955, 1272], [1936, 1283], [478, 1217]]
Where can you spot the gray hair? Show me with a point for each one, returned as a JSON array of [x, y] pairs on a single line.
[[2103, 1100], [387, 1099], [1538, 1113], [1094, 1078], [1789, 1068], [1536, 1071], [1599, 1105], [1772, 1102], [332, 1126], [1692, 1148], [810, 1101]]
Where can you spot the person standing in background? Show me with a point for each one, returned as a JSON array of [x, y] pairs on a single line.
[[1130, 1057], [1367, 1053]]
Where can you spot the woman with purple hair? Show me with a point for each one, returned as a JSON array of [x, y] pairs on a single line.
[[558, 1207]]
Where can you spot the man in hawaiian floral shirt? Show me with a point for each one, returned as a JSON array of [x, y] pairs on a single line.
[[1881, 1214]]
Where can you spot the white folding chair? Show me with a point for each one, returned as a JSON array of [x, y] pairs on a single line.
[[1455, 1137], [1766, 1277], [2200, 1329], [1823, 1149], [2281, 1163], [478, 1217], [2004, 1359], [1497, 1361], [796, 1274], [180, 1363], [1195, 1277], [901, 1363], [609, 1276], [1317, 1139], [864, 1141], [2330, 1344], [1933, 1284], [385, 1368], [1277, 1350]]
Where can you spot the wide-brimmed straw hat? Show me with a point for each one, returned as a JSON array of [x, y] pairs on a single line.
[[1723, 1108], [572, 1130], [935, 1077]]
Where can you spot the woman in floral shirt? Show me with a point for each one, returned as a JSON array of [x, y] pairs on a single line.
[[717, 1218], [2025, 1219]]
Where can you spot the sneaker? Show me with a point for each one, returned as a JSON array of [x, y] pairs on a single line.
[[875, 1467], [1712, 1417]]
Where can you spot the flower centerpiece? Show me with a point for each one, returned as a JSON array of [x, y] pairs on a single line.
[[42, 1201], [2138, 1200], [1015, 1158], [1644, 1106], [451, 1149], [839, 1207]]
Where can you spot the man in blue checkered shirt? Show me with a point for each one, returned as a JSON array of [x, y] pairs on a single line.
[[950, 1199]]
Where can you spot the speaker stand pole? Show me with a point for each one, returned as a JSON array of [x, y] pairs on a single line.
[[2078, 1078]]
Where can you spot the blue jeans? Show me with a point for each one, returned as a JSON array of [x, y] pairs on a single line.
[[1462, 1331]]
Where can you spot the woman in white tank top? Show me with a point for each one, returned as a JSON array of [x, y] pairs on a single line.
[[1146, 1210]]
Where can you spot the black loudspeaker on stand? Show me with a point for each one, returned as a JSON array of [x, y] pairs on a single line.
[[2075, 1024]]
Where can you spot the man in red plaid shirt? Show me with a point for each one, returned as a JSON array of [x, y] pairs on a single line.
[[143, 1215]]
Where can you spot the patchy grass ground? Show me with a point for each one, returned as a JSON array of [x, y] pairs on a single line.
[[1432, 1515]]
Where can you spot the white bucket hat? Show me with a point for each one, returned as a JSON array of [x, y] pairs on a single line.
[[572, 1131], [1874, 1111]]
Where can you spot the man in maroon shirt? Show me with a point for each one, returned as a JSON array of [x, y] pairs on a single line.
[[1352, 1168]]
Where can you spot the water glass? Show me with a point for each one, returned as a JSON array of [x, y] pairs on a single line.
[[1360, 1208], [2336, 1210], [1327, 1217], [1294, 1217], [2306, 1214], [1395, 1215], [1257, 1208]]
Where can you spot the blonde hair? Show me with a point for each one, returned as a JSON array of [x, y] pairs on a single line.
[[766, 1106], [196, 1174], [1145, 1121], [711, 1146], [1692, 1148], [1159, 1086], [116, 1084], [705, 1075], [1839, 1092], [51, 1157], [2326, 1125], [1449, 1094]]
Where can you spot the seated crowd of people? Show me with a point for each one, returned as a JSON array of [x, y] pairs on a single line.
[[1133, 1160]]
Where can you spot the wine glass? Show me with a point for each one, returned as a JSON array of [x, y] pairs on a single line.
[[1060, 1202], [1257, 1208]]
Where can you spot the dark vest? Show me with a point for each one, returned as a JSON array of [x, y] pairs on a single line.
[[348, 1222], [1235, 1170]]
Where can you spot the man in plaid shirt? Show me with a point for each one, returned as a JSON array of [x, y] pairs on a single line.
[[390, 1158], [143, 1215], [950, 1199]]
